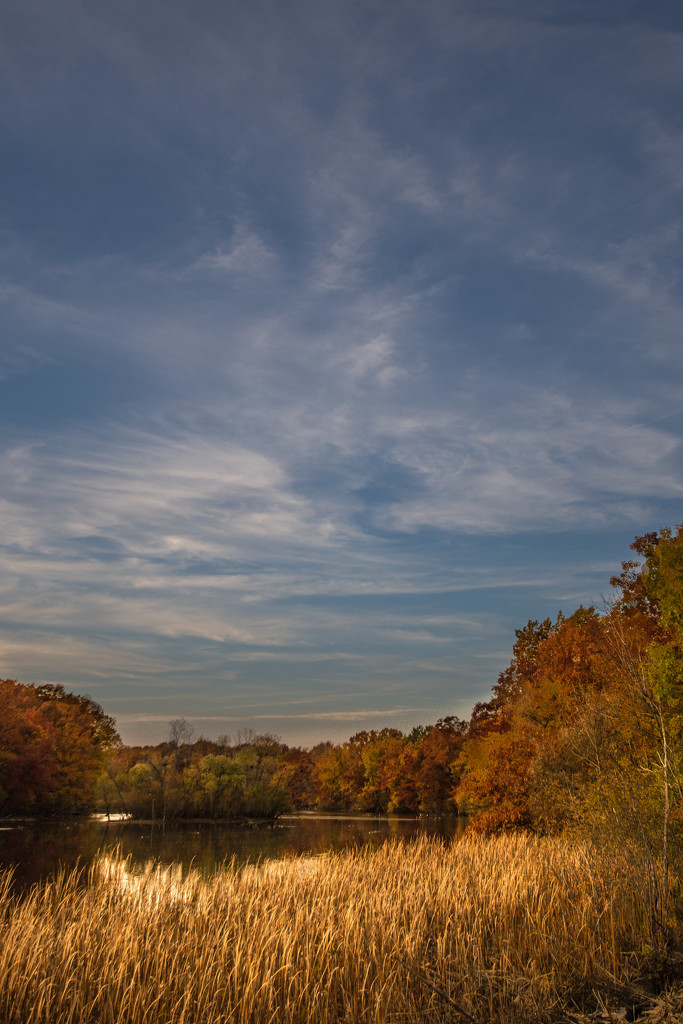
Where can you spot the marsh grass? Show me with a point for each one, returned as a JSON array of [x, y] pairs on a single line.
[[511, 928]]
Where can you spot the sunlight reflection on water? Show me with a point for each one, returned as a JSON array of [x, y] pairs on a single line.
[[37, 849]]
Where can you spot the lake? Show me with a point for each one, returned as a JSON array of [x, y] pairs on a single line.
[[38, 849]]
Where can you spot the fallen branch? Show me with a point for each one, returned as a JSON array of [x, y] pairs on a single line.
[[439, 991]]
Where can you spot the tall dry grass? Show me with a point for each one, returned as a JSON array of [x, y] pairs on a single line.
[[510, 928]]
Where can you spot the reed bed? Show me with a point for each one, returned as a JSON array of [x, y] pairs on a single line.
[[511, 929]]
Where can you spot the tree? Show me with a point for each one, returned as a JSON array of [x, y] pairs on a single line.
[[295, 774], [52, 748], [584, 730], [652, 596], [436, 773], [27, 741], [179, 732], [554, 674], [381, 757]]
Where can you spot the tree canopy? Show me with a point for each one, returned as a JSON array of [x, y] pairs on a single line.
[[53, 746]]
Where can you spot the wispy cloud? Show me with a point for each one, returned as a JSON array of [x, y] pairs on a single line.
[[245, 254]]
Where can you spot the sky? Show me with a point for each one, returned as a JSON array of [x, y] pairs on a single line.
[[339, 339]]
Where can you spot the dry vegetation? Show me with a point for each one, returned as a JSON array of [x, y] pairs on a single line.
[[511, 929]]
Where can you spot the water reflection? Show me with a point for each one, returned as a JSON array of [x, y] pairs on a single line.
[[37, 850]]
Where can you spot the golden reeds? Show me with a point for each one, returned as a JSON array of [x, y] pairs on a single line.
[[509, 928]]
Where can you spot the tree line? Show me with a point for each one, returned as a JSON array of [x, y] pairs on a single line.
[[259, 776]]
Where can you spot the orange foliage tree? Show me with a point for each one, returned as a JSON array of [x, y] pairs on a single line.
[[584, 729], [52, 748]]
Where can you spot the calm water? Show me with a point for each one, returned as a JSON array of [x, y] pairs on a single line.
[[36, 850]]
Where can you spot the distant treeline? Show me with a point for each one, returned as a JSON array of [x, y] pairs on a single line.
[[257, 775], [583, 729]]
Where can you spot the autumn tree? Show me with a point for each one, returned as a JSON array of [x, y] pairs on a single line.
[[52, 748], [613, 771], [27, 741], [185, 778], [382, 763], [551, 684], [584, 730], [295, 773], [436, 771]]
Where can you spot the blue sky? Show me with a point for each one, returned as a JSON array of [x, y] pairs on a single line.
[[339, 339]]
